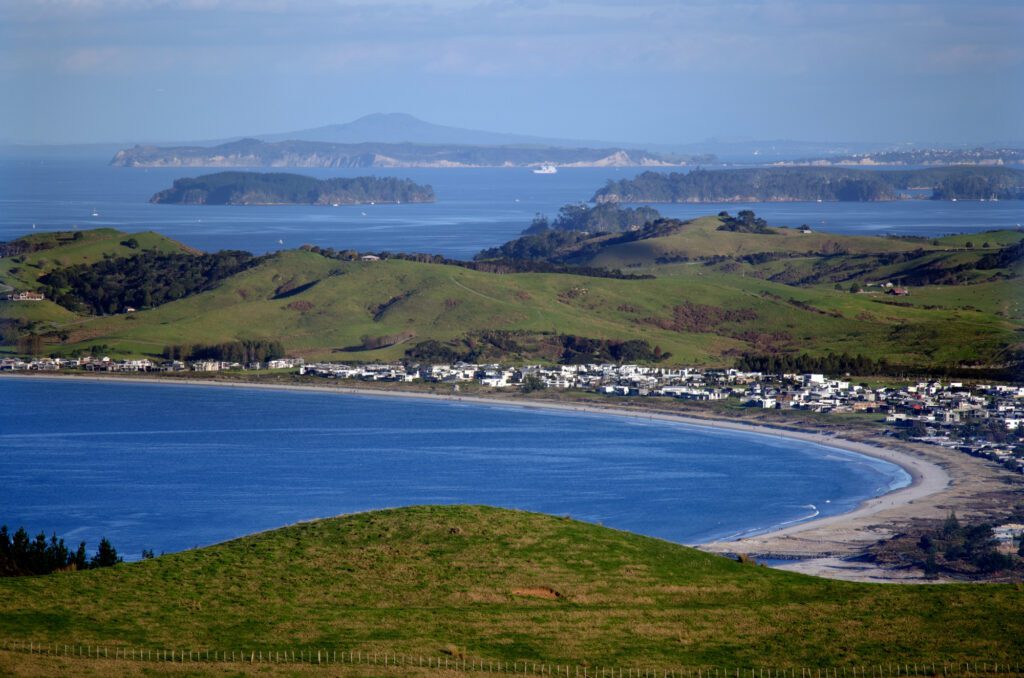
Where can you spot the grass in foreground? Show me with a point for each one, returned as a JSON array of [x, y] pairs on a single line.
[[507, 585]]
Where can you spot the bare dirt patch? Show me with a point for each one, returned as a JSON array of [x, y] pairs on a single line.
[[537, 592]]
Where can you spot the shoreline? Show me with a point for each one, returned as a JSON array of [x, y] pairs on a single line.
[[927, 478]]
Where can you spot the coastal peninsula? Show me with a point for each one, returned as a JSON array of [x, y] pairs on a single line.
[[255, 153], [822, 184]]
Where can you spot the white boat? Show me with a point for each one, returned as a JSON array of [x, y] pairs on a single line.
[[95, 213], [546, 169]]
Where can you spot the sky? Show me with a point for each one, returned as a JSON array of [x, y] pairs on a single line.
[[666, 71]]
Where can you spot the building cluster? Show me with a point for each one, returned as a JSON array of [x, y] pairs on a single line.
[[106, 364], [25, 296], [981, 419]]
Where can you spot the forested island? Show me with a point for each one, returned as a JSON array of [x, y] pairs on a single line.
[[255, 153], [256, 188], [829, 184]]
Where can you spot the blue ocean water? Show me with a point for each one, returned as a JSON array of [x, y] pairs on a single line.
[[476, 208], [170, 467]]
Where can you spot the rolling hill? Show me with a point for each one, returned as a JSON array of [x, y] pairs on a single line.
[[328, 305], [470, 581]]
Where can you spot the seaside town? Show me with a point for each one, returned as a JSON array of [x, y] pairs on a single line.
[[984, 420]]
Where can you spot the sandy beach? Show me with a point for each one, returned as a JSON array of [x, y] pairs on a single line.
[[941, 480]]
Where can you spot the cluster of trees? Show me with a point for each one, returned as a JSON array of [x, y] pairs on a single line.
[[561, 246], [604, 217], [814, 183], [21, 555], [1004, 258], [251, 188], [23, 246], [537, 246], [569, 349], [955, 548], [143, 281], [831, 363], [580, 350], [745, 221], [242, 351], [979, 186]]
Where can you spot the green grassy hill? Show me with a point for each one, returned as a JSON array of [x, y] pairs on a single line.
[[67, 248], [323, 308], [701, 238], [704, 313], [506, 585]]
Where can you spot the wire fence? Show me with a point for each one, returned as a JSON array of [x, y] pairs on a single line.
[[454, 662]]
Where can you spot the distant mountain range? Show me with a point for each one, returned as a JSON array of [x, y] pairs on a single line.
[[398, 128], [402, 128]]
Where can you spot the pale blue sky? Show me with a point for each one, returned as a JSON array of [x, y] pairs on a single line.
[[643, 70]]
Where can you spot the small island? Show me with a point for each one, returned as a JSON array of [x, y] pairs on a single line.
[[258, 188]]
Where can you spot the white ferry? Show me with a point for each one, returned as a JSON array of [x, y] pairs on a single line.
[[546, 169]]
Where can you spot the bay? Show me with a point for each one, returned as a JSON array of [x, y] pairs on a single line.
[[476, 208], [170, 467]]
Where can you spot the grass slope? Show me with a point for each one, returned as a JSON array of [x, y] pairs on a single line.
[[23, 272], [323, 308], [333, 304], [701, 238], [507, 585]]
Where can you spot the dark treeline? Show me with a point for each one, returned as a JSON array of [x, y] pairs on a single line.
[[536, 246], [242, 351], [860, 365], [143, 281], [1004, 258], [569, 349], [20, 555], [803, 363], [745, 221], [601, 218], [583, 350], [20, 246], [561, 246]]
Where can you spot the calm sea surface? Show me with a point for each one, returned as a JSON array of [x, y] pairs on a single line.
[[476, 208], [170, 467]]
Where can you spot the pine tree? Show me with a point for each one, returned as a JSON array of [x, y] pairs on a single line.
[[105, 556]]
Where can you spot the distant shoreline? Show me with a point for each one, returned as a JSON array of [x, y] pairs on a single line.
[[927, 478]]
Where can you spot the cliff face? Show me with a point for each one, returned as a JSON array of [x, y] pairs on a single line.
[[253, 153]]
